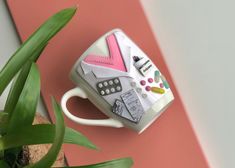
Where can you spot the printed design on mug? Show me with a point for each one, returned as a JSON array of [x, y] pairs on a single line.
[[133, 104], [129, 106], [140, 83], [120, 109], [110, 86], [115, 59]]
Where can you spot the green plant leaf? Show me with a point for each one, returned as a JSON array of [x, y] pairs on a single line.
[[117, 163], [16, 89], [4, 164], [37, 40], [11, 155], [3, 122], [13, 96], [1, 152], [19, 82], [25, 108], [74, 137], [50, 157], [42, 134], [3, 117]]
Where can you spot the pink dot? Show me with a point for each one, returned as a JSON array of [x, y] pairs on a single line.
[[161, 85], [150, 80], [147, 88], [142, 82]]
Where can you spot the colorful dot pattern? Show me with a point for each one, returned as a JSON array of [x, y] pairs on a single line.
[[154, 89]]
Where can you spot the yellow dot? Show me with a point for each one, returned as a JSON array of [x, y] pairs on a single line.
[[157, 90]]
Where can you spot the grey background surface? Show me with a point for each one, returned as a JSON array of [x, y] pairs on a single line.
[[197, 41], [9, 42]]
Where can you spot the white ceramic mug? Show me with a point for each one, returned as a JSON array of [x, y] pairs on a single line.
[[120, 80]]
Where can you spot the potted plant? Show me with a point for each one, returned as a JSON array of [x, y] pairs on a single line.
[[17, 131]]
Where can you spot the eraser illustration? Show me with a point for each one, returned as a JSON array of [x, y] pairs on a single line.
[[133, 104], [144, 65]]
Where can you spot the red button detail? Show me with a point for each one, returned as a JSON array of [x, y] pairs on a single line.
[[147, 88], [150, 80], [142, 82]]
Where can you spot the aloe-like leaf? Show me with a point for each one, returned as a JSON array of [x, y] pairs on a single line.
[[42, 134], [50, 157], [3, 117], [1, 151], [16, 88], [19, 82], [74, 137], [24, 111], [4, 164], [3, 121], [117, 163], [37, 40], [10, 156]]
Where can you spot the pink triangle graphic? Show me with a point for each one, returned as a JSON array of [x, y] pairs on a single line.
[[114, 61]]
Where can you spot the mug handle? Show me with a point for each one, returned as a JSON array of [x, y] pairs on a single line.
[[92, 122]]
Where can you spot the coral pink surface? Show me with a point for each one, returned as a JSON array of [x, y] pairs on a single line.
[[170, 142]]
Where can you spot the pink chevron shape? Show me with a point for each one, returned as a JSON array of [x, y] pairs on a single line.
[[114, 61]]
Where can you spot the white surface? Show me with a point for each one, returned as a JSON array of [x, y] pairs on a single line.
[[196, 38]]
